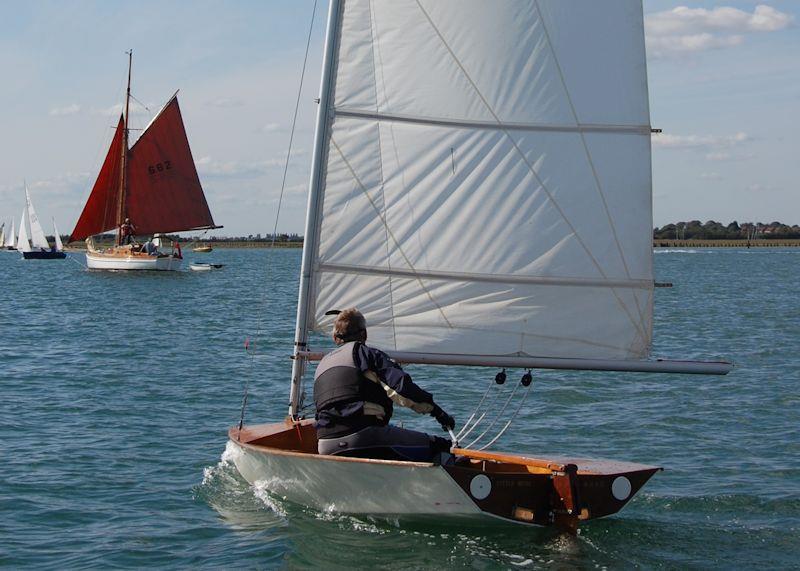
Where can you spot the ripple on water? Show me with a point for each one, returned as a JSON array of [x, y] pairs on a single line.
[[118, 391]]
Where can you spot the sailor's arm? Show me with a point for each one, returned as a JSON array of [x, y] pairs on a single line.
[[377, 366]]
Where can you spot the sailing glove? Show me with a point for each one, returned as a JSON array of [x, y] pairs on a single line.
[[447, 421]]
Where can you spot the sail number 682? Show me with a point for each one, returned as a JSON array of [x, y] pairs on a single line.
[[159, 167]]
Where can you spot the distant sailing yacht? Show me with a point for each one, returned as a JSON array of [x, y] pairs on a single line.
[[10, 242], [154, 183], [37, 248]]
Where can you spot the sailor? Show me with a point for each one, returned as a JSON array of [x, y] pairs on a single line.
[[126, 231], [355, 388]]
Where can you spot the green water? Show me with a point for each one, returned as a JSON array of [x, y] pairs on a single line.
[[117, 390]]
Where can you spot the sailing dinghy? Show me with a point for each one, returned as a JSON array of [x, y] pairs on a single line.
[[37, 247], [481, 191], [10, 242], [154, 183]]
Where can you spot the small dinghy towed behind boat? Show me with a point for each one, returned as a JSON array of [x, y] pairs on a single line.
[[204, 267], [499, 216]]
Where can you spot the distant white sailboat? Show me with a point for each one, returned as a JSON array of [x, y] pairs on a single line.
[[38, 248], [10, 242], [481, 191], [23, 243], [59, 243], [2, 233]]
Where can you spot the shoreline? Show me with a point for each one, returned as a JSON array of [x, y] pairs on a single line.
[[228, 244]]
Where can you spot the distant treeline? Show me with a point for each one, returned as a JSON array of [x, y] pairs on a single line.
[[712, 230]]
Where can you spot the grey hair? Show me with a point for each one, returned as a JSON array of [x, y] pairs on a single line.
[[349, 325]]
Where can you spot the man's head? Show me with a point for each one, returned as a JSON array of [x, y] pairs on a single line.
[[349, 325], [127, 220]]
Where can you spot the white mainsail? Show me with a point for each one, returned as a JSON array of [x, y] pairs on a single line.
[[59, 243], [23, 245], [38, 238], [11, 239], [484, 181], [2, 234]]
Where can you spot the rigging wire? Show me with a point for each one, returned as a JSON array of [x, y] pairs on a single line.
[[277, 217], [477, 408], [499, 379], [510, 420], [496, 418]]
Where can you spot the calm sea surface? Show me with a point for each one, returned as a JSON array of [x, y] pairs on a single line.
[[116, 391]]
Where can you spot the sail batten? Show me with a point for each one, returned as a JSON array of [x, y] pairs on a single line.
[[483, 190], [444, 121]]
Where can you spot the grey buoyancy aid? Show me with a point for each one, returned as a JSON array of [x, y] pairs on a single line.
[[338, 381]]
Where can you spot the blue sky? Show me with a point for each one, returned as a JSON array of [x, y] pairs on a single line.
[[724, 87]]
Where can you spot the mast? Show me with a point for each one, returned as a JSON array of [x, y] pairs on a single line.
[[123, 183], [312, 212]]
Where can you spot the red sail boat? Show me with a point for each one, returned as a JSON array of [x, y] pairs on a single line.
[[149, 189]]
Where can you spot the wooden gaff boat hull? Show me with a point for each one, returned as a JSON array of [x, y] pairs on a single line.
[[99, 261], [282, 457]]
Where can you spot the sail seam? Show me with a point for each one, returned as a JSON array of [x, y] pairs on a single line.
[[467, 124], [488, 278], [591, 165], [636, 325], [388, 230], [372, 25]]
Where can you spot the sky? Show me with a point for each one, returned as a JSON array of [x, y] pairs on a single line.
[[724, 82]]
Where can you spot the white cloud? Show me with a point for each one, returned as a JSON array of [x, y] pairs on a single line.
[[225, 102], [667, 141], [207, 166], [684, 30], [710, 176], [66, 110], [270, 127], [759, 187], [136, 110]]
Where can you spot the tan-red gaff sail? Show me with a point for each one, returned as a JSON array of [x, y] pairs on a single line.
[[164, 192], [100, 213]]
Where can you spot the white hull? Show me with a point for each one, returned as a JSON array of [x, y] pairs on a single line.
[[349, 485], [99, 261]]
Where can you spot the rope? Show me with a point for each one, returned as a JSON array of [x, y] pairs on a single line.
[[72, 258], [477, 408], [481, 417], [510, 420], [496, 418], [275, 227]]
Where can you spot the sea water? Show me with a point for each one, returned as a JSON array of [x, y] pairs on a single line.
[[116, 391]]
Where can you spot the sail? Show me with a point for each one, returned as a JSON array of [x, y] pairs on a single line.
[[38, 238], [485, 178], [23, 245], [11, 239], [100, 212], [3, 234], [164, 192], [59, 243]]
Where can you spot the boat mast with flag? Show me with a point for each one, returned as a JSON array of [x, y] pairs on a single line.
[[148, 189], [481, 191]]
